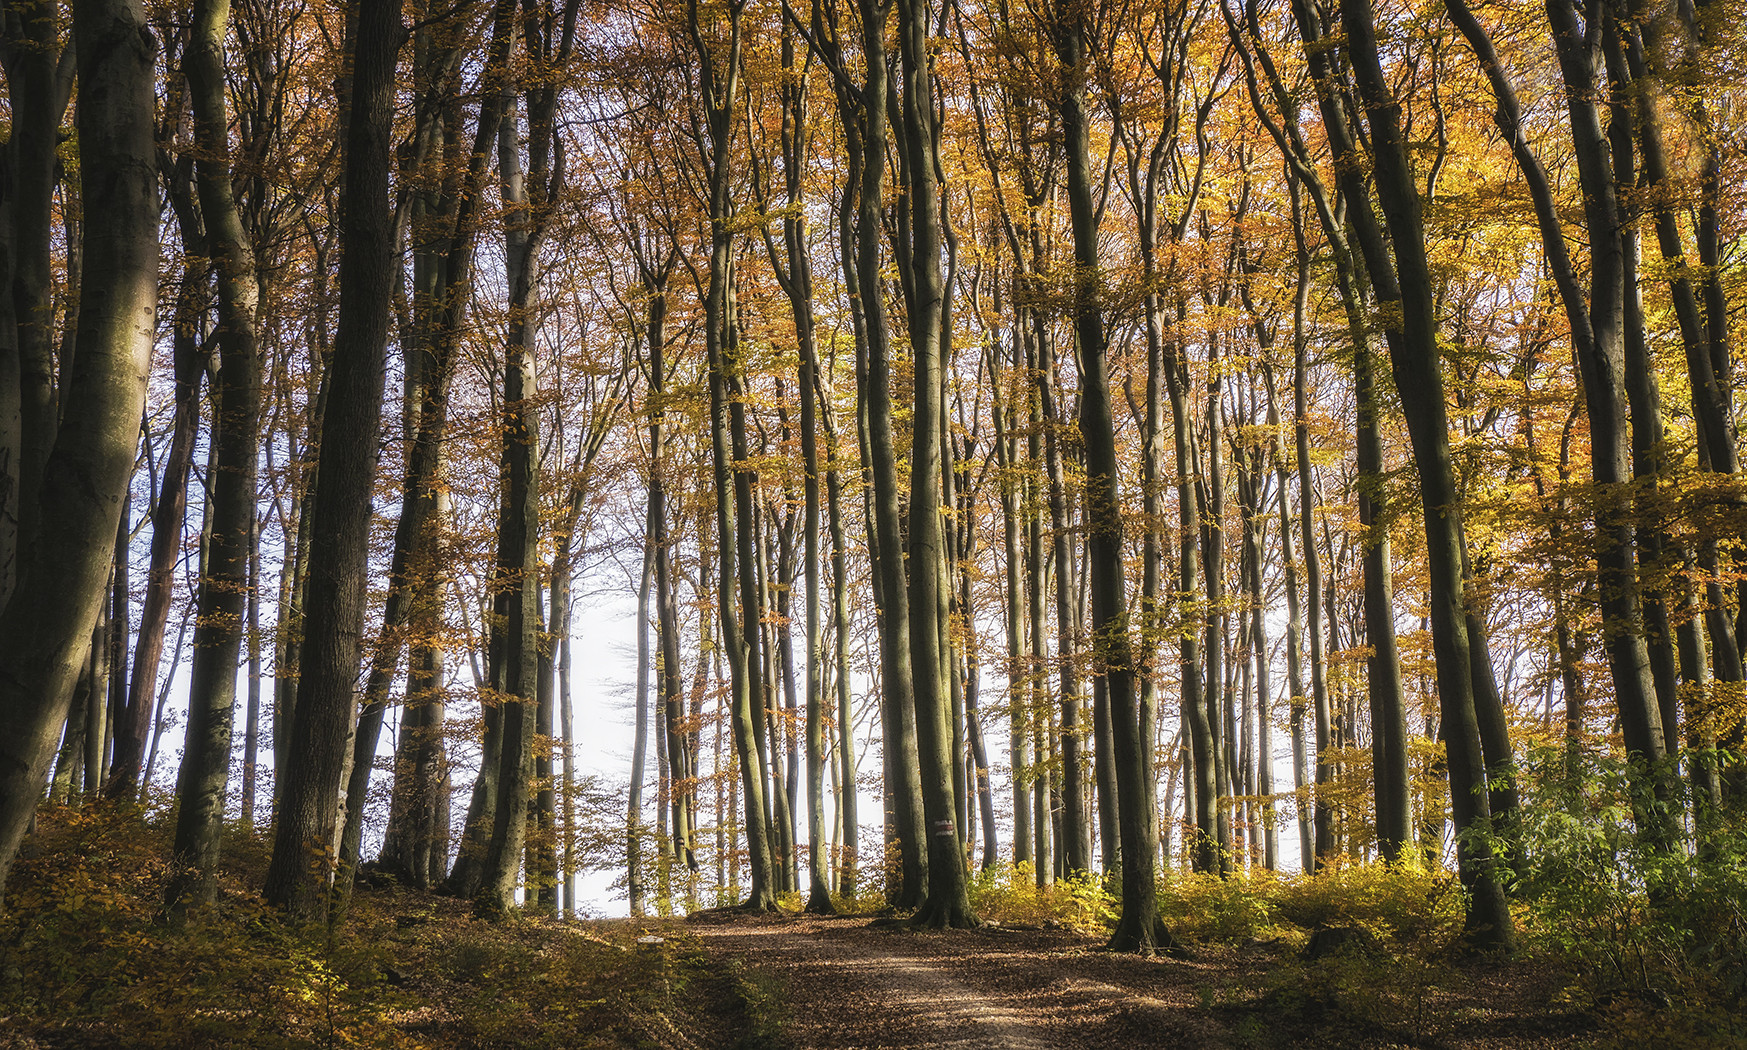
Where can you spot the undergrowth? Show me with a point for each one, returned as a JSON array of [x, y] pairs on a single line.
[[1633, 944], [1009, 894], [1655, 940], [85, 962]]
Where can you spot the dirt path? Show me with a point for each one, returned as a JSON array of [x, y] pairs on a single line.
[[850, 986]]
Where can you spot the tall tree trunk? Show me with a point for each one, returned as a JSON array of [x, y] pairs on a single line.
[[1601, 364], [1196, 705], [168, 517], [849, 841], [947, 903], [1074, 817], [303, 847], [720, 81], [516, 602], [634, 830], [224, 586], [1390, 772], [1043, 838], [45, 629], [798, 282], [414, 569], [1419, 378], [1139, 927], [1018, 711], [897, 678], [39, 75]]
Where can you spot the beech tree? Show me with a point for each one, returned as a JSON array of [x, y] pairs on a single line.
[[68, 513], [813, 325]]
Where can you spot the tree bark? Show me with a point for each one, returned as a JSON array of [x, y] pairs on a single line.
[[303, 846], [1419, 378], [947, 902], [45, 629], [223, 600]]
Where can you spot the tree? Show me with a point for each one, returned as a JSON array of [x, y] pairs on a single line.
[[64, 556], [303, 841], [225, 586]]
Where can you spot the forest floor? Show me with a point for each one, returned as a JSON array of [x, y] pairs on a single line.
[[86, 963], [848, 984]]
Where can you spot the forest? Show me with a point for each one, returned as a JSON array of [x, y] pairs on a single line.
[[1100, 450]]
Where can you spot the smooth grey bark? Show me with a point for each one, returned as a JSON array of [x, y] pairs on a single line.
[[514, 663], [1589, 329], [657, 570], [1018, 711], [897, 677], [441, 297], [1210, 490], [849, 840], [720, 80], [1286, 137], [1602, 366], [1197, 711], [797, 281], [1138, 928], [947, 902], [1419, 379], [223, 598], [634, 829], [1643, 396], [303, 846], [168, 520], [827, 43], [1070, 734], [45, 629], [39, 76], [1655, 38], [1044, 838]]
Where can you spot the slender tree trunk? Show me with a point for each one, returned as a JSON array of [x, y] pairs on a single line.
[[1390, 773], [1043, 838], [224, 586], [849, 842], [634, 875], [1419, 379], [1196, 708], [169, 514], [1067, 618], [1019, 745], [1139, 927], [947, 903], [39, 75], [1602, 366]]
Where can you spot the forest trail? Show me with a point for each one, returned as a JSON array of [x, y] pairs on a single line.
[[844, 984], [850, 986]]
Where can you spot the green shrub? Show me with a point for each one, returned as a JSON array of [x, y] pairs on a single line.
[[1656, 938], [1207, 908], [1009, 894], [1405, 906]]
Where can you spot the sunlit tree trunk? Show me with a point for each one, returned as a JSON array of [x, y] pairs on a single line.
[[64, 560], [223, 600]]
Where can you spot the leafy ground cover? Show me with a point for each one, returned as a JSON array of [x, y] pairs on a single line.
[[85, 962]]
